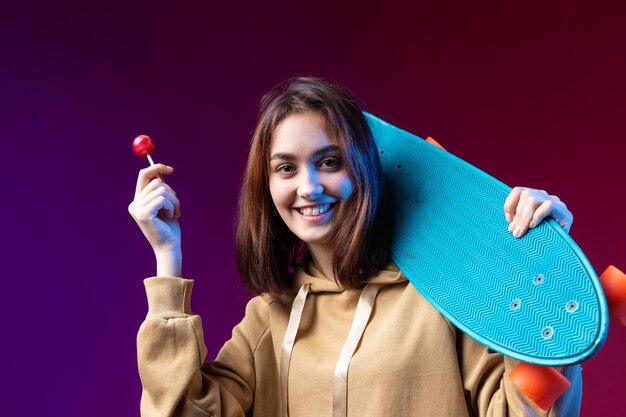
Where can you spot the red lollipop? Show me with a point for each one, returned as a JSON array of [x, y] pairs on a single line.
[[143, 146]]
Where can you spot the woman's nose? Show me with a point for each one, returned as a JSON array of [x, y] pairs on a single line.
[[309, 185]]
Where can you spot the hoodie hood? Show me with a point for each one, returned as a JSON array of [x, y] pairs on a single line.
[[318, 282]]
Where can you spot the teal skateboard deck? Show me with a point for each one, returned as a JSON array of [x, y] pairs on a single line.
[[536, 299]]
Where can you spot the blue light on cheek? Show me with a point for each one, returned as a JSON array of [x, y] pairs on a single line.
[[346, 190]]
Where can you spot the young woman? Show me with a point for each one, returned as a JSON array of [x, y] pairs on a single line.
[[336, 329]]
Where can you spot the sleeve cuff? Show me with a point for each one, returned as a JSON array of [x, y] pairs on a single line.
[[168, 297]]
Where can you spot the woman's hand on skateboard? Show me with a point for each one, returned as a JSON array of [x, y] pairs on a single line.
[[525, 208], [156, 210]]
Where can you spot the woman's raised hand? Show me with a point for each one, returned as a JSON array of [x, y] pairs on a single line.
[[156, 210], [525, 208]]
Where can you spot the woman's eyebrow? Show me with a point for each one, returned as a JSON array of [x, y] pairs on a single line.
[[316, 154]]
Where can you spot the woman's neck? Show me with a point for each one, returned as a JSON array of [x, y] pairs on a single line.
[[322, 259]]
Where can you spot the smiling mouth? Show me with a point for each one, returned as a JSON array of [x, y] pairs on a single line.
[[315, 211]]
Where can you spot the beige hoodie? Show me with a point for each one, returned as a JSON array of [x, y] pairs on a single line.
[[407, 360]]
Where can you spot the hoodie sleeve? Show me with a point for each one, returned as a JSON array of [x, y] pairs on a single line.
[[490, 393], [171, 351]]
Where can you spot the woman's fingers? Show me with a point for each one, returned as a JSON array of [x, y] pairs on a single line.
[[155, 184], [156, 209], [146, 175], [531, 204], [555, 208], [511, 203], [545, 209], [563, 216], [160, 204], [525, 208], [154, 197], [516, 209], [169, 197]]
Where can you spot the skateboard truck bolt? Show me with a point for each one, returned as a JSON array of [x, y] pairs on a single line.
[[540, 278], [572, 306], [548, 332], [516, 304]]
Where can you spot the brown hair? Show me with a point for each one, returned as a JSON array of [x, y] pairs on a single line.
[[267, 250]]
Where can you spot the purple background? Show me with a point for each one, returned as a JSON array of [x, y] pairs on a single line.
[[533, 94]]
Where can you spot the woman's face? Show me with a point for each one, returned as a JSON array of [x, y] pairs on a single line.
[[308, 180]]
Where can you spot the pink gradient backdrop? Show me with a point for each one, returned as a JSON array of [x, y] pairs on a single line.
[[533, 93]]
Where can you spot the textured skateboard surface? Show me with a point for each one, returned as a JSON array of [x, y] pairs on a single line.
[[536, 299]]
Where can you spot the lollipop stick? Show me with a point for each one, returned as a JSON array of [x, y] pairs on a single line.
[[152, 164]]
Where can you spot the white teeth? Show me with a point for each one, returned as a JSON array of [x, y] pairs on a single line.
[[315, 211]]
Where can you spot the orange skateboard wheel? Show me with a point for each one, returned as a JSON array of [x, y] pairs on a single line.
[[542, 384], [614, 284], [434, 142]]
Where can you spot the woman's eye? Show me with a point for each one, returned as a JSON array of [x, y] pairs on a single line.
[[330, 163], [284, 169]]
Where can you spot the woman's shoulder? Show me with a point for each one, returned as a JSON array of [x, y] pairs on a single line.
[[414, 297], [259, 305], [255, 323], [390, 274]]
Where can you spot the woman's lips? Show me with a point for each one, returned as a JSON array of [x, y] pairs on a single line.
[[308, 214]]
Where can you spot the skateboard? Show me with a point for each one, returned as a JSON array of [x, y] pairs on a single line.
[[536, 299]]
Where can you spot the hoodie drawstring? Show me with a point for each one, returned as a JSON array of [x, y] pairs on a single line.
[[290, 339], [340, 378]]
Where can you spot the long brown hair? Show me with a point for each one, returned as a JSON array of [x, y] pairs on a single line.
[[266, 249]]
